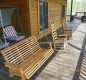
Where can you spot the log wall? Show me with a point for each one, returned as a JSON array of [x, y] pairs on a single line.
[[29, 12]]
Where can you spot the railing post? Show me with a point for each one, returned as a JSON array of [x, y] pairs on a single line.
[[71, 17]]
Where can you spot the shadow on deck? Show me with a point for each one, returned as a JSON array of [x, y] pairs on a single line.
[[80, 71]]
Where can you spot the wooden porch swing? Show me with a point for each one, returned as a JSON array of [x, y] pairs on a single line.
[[25, 57]]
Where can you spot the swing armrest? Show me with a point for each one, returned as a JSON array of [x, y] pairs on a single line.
[[46, 43], [11, 65], [62, 35], [21, 34], [68, 29]]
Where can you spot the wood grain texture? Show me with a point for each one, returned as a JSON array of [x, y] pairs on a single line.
[[54, 13]]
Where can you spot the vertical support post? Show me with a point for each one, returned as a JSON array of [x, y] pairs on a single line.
[[71, 17]]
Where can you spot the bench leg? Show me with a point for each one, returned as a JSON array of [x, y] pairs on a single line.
[[10, 70], [64, 47], [22, 75]]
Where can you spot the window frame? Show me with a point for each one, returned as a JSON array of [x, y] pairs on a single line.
[[63, 11], [41, 32]]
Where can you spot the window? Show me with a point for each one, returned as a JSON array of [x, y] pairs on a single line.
[[63, 11], [43, 12]]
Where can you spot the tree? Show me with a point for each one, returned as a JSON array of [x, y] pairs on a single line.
[[78, 6]]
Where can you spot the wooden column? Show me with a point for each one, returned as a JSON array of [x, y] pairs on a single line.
[[71, 17]]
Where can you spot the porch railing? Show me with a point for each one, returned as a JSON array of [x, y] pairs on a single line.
[[79, 14]]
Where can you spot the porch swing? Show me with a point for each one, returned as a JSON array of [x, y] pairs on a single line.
[[9, 30]]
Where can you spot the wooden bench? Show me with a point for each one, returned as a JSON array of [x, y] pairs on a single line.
[[25, 57]]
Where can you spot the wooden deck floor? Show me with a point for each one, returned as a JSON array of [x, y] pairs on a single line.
[[62, 66]]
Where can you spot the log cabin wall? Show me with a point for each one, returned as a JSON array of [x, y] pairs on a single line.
[[54, 13], [29, 12]]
